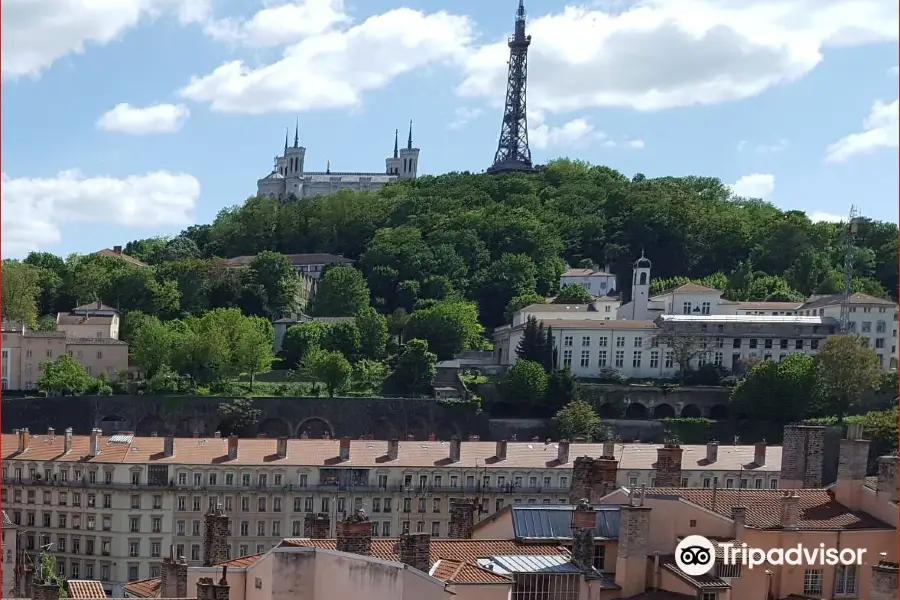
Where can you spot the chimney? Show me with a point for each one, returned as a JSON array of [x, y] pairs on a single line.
[[853, 460], [562, 452], [317, 526], [584, 521], [634, 538], [209, 589], [609, 449], [668, 466], [474, 438], [455, 447], [217, 434], [739, 516], [95, 442], [196, 433], [884, 580], [232, 447], [354, 534], [67, 440], [462, 519], [215, 536], [281, 447], [790, 510], [19, 442], [173, 576], [414, 549], [344, 452], [393, 448], [169, 446], [117, 249], [802, 457], [45, 590], [887, 477], [501, 450], [51, 433], [759, 453], [712, 451], [154, 433]]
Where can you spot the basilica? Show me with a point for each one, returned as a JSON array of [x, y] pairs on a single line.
[[288, 177]]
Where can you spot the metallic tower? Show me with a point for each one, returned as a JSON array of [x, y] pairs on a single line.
[[849, 243], [513, 154]]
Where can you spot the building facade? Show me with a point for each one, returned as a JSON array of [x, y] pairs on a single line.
[[290, 179], [596, 280]]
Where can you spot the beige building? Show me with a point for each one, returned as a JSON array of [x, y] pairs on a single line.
[[88, 333]]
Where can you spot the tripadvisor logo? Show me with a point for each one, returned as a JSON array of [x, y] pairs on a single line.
[[695, 555]]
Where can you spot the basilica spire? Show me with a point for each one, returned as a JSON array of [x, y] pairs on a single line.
[[285, 140], [297, 134], [409, 141], [396, 142]]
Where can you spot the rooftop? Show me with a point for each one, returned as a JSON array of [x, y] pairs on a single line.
[[117, 253], [835, 299], [83, 588], [588, 272], [591, 324], [554, 522], [130, 449], [752, 319]]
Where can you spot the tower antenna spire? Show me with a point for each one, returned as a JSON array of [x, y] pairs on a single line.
[[849, 243], [396, 143], [409, 140], [297, 134], [285, 140], [513, 154]]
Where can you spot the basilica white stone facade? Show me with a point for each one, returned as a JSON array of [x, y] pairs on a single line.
[[288, 177]]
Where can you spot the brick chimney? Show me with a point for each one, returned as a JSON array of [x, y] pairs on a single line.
[[281, 447], [712, 452], [759, 453], [584, 521], [215, 535], [790, 510], [668, 465], [455, 449], [44, 590], [414, 549], [67, 440], [232, 447], [354, 534], [462, 519], [393, 450], [169, 446], [884, 580], [609, 449], [887, 477], [117, 249], [173, 576], [634, 538], [802, 457], [209, 589], [317, 526], [562, 452], [94, 449], [592, 478], [344, 449], [500, 453]]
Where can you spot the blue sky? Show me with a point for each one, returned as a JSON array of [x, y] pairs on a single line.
[[131, 118]]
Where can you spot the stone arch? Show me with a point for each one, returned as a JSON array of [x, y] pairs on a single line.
[[315, 428], [663, 411], [636, 410], [609, 410], [643, 279], [719, 412], [690, 411], [113, 423], [150, 424], [274, 427]]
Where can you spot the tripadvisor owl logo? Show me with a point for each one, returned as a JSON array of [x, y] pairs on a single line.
[[695, 555]]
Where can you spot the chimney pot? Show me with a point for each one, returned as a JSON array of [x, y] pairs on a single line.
[[51, 433], [232, 447], [712, 451], [67, 440], [281, 447], [609, 449], [217, 434], [501, 450], [562, 452], [455, 448], [344, 448], [95, 442], [393, 450]]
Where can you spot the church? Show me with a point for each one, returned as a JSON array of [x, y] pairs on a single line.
[[288, 177]]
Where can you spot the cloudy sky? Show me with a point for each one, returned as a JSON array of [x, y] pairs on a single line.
[[131, 118]]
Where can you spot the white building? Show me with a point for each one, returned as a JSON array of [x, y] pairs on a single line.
[[596, 280], [289, 177]]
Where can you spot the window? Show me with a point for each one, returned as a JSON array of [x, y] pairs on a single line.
[[753, 343], [798, 344], [638, 342], [620, 358], [603, 342], [736, 343], [620, 342], [866, 327], [670, 359], [812, 582], [134, 548], [261, 528], [567, 358], [601, 358], [586, 358], [704, 308], [585, 341], [195, 551], [654, 359], [376, 505], [567, 340], [686, 308], [386, 528], [636, 359], [845, 578]]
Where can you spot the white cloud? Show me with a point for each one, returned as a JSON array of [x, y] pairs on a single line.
[[757, 185], [464, 115], [38, 33], [764, 149], [335, 68], [658, 54], [576, 133], [281, 24], [817, 216], [34, 208], [879, 131], [159, 118]]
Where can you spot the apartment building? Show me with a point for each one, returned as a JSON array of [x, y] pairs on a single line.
[[112, 505], [595, 279]]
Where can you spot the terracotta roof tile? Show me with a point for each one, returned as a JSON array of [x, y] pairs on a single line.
[[576, 272], [242, 562], [82, 588], [143, 588], [368, 453], [459, 555], [818, 509], [67, 319], [706, 582], [113, 254]]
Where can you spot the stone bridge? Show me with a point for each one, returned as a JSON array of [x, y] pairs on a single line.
[[382, 418], [648, 402]]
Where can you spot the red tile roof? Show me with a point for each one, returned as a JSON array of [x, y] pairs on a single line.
[[455, 559], [144, 588], [818, 508], [83, 588], [113, 254]]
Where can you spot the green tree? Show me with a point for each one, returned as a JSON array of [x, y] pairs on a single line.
[[341, 292], [64, 376], [373, 333], [448, 326], [533, 343], [578, 419], [848, 370], [252, 349], [331, 368], [779, 392], [368, 375], [573, 293], [343, 338], [525, 384], [275, 275], [239, 417], [519, 302], [560, 388], [300, 339], [151, 345], [412, 369], [21, 289]]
